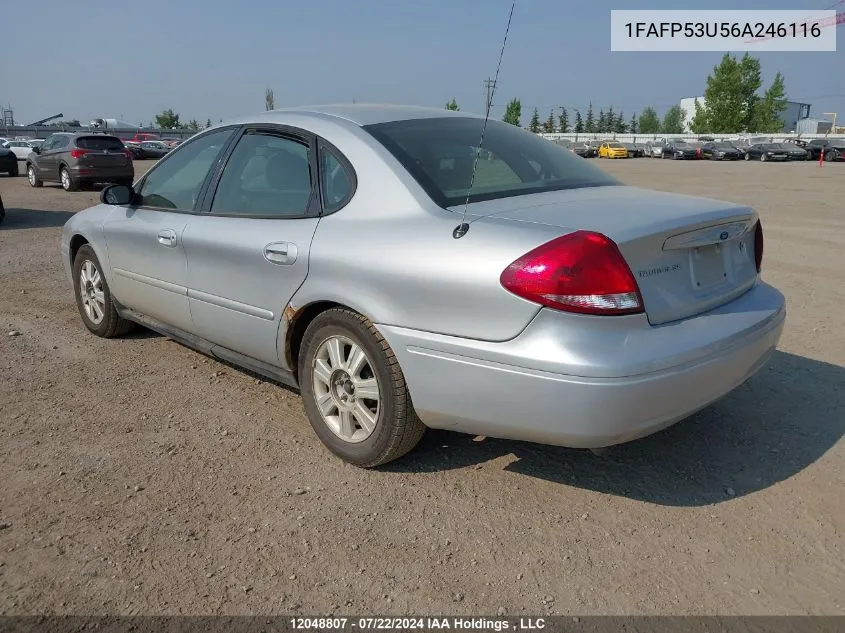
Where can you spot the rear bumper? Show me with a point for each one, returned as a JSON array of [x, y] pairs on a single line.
[[100, 174], [586, 382]]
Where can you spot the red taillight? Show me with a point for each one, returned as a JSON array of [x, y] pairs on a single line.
[[581, 272], [128, 153], [758, 246], [78, 153]]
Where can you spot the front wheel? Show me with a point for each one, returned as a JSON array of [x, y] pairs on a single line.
[[93, 297], [354, 391]]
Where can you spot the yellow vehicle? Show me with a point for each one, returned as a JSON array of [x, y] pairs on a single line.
[[612, 150]]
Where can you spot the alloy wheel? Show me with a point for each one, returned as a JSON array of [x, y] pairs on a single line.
[[346, 389], [91, 292]]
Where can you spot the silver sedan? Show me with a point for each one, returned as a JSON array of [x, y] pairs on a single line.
[[364, 255]]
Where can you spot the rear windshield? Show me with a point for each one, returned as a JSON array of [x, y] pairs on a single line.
[[440, 152], [99, 142]]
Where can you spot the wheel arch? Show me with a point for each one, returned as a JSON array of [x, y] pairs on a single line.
[[295, 321]]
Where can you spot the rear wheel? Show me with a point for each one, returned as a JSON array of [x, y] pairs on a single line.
[[34, 180], [68, 183], [93, 297], [354, 391], [830, 156]]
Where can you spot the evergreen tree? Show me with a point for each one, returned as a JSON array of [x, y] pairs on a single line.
[[563, 121], [534, 125], [579, 123], [549, 124], [589, 121]]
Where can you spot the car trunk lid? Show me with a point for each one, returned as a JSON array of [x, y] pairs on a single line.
[[688, 254]]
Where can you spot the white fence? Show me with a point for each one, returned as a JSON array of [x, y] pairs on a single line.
[[644, 138]]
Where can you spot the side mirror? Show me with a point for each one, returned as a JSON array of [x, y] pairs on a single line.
[[117, 194], [36, 150]]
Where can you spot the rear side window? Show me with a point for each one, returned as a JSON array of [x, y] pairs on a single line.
[[335, 181], [99, 142]]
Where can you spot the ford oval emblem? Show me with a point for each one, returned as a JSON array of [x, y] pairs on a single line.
[[724, 235]]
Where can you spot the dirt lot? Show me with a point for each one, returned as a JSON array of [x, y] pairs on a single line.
[[137, 476]]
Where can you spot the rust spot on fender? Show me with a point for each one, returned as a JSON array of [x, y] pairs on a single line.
[[288, 317]]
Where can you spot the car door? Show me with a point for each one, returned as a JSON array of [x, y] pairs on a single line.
[[248, 251], [40, 160], [144, 239], [57, 150]]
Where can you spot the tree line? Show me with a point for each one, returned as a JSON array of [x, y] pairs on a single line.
[[731, 105], [604, 122]]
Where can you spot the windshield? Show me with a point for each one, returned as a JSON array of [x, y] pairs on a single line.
[[683, 146], [440, 152], [723, 146], [616, 145]]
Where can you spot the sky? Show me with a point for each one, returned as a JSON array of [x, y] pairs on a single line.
[[214, 59]]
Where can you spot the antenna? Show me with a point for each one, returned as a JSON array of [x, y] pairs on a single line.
[[463, 227]]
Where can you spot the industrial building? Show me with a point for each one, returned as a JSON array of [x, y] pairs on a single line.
[[791, 116]]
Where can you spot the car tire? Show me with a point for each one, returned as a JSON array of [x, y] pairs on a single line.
[[330, 342], [93, 297], [68, 183], [830, 156], [747, 156], [34, 180]]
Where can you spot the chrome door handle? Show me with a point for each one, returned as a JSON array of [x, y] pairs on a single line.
[[167, 238], [283, 253]]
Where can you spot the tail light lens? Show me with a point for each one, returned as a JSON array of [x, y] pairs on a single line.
[[582, 272], [78, 153], [128, 153], [758, 246]]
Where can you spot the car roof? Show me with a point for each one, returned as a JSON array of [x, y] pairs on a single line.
[[360, 114]]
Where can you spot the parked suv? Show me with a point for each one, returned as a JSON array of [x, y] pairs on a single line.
[[76, 159]]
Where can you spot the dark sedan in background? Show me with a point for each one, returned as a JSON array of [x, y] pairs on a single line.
[[834, 149], [635, 150], [766, 151], [575, 147], [8, 162], [720, 150], [680, 151], [793, 151]]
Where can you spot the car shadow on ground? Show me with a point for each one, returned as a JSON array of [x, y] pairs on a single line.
[[33, 219], [777, 424]]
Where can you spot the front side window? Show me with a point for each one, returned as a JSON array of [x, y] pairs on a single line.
[[267, 175], [60, 142], [440, 153], [176, 181]]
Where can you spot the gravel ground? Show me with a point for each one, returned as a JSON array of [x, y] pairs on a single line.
[[139, 477]]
